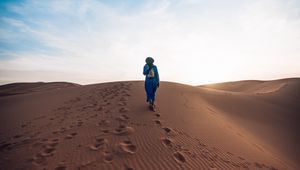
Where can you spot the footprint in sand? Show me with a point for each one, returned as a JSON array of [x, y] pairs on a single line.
[[17, 136], [167, 142], [70, 136], [93, 116], [122, 103], [37, 144], [157, 115], [61, 167], [62, 130], [158, 122], [125, 117], [49, 148], [39, 160], [123, 130], [126, 167], [100, 108], [122, 118], [123, 110], [128, 147], [23, 125], [26, 139], [53, 142], [179, 157], [101, 143], [126, 94], [272, 168], [258, 165], [48, 151], [105, 130], [108, 157], [79, 123], [6, 146], [167, 129], [123, 99], [104, 123]]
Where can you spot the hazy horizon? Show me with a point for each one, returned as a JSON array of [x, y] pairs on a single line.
[[192, 42]]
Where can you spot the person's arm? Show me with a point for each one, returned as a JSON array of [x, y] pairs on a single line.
[[146, 69], [157, 75]]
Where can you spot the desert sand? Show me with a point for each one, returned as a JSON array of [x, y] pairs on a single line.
[[234, 125]]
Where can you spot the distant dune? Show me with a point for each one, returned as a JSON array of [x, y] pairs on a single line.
[[234, 125], [21, 88], [255, 86]]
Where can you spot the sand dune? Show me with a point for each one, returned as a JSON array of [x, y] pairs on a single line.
[[21, 88], [254, 86], [271, 114], [240, 125]]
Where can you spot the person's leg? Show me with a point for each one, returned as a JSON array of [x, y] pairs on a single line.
[[153, 92], [149, 91], [146, 90]]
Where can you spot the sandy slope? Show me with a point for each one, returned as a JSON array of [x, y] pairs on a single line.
[[269, 110], [108, 126]]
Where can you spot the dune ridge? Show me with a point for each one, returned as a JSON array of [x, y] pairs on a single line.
[[253, 86], [108, 126], [22, 88]]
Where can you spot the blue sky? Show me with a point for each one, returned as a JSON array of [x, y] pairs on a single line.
[[192, 41]]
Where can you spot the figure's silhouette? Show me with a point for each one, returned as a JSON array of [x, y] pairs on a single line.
[[151, 81]]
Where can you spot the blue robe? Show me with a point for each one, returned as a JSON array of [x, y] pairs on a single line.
[[151, 84]]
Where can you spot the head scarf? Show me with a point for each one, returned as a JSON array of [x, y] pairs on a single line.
[[149, 60]]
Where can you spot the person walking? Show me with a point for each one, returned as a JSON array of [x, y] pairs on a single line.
[[151, 81]]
